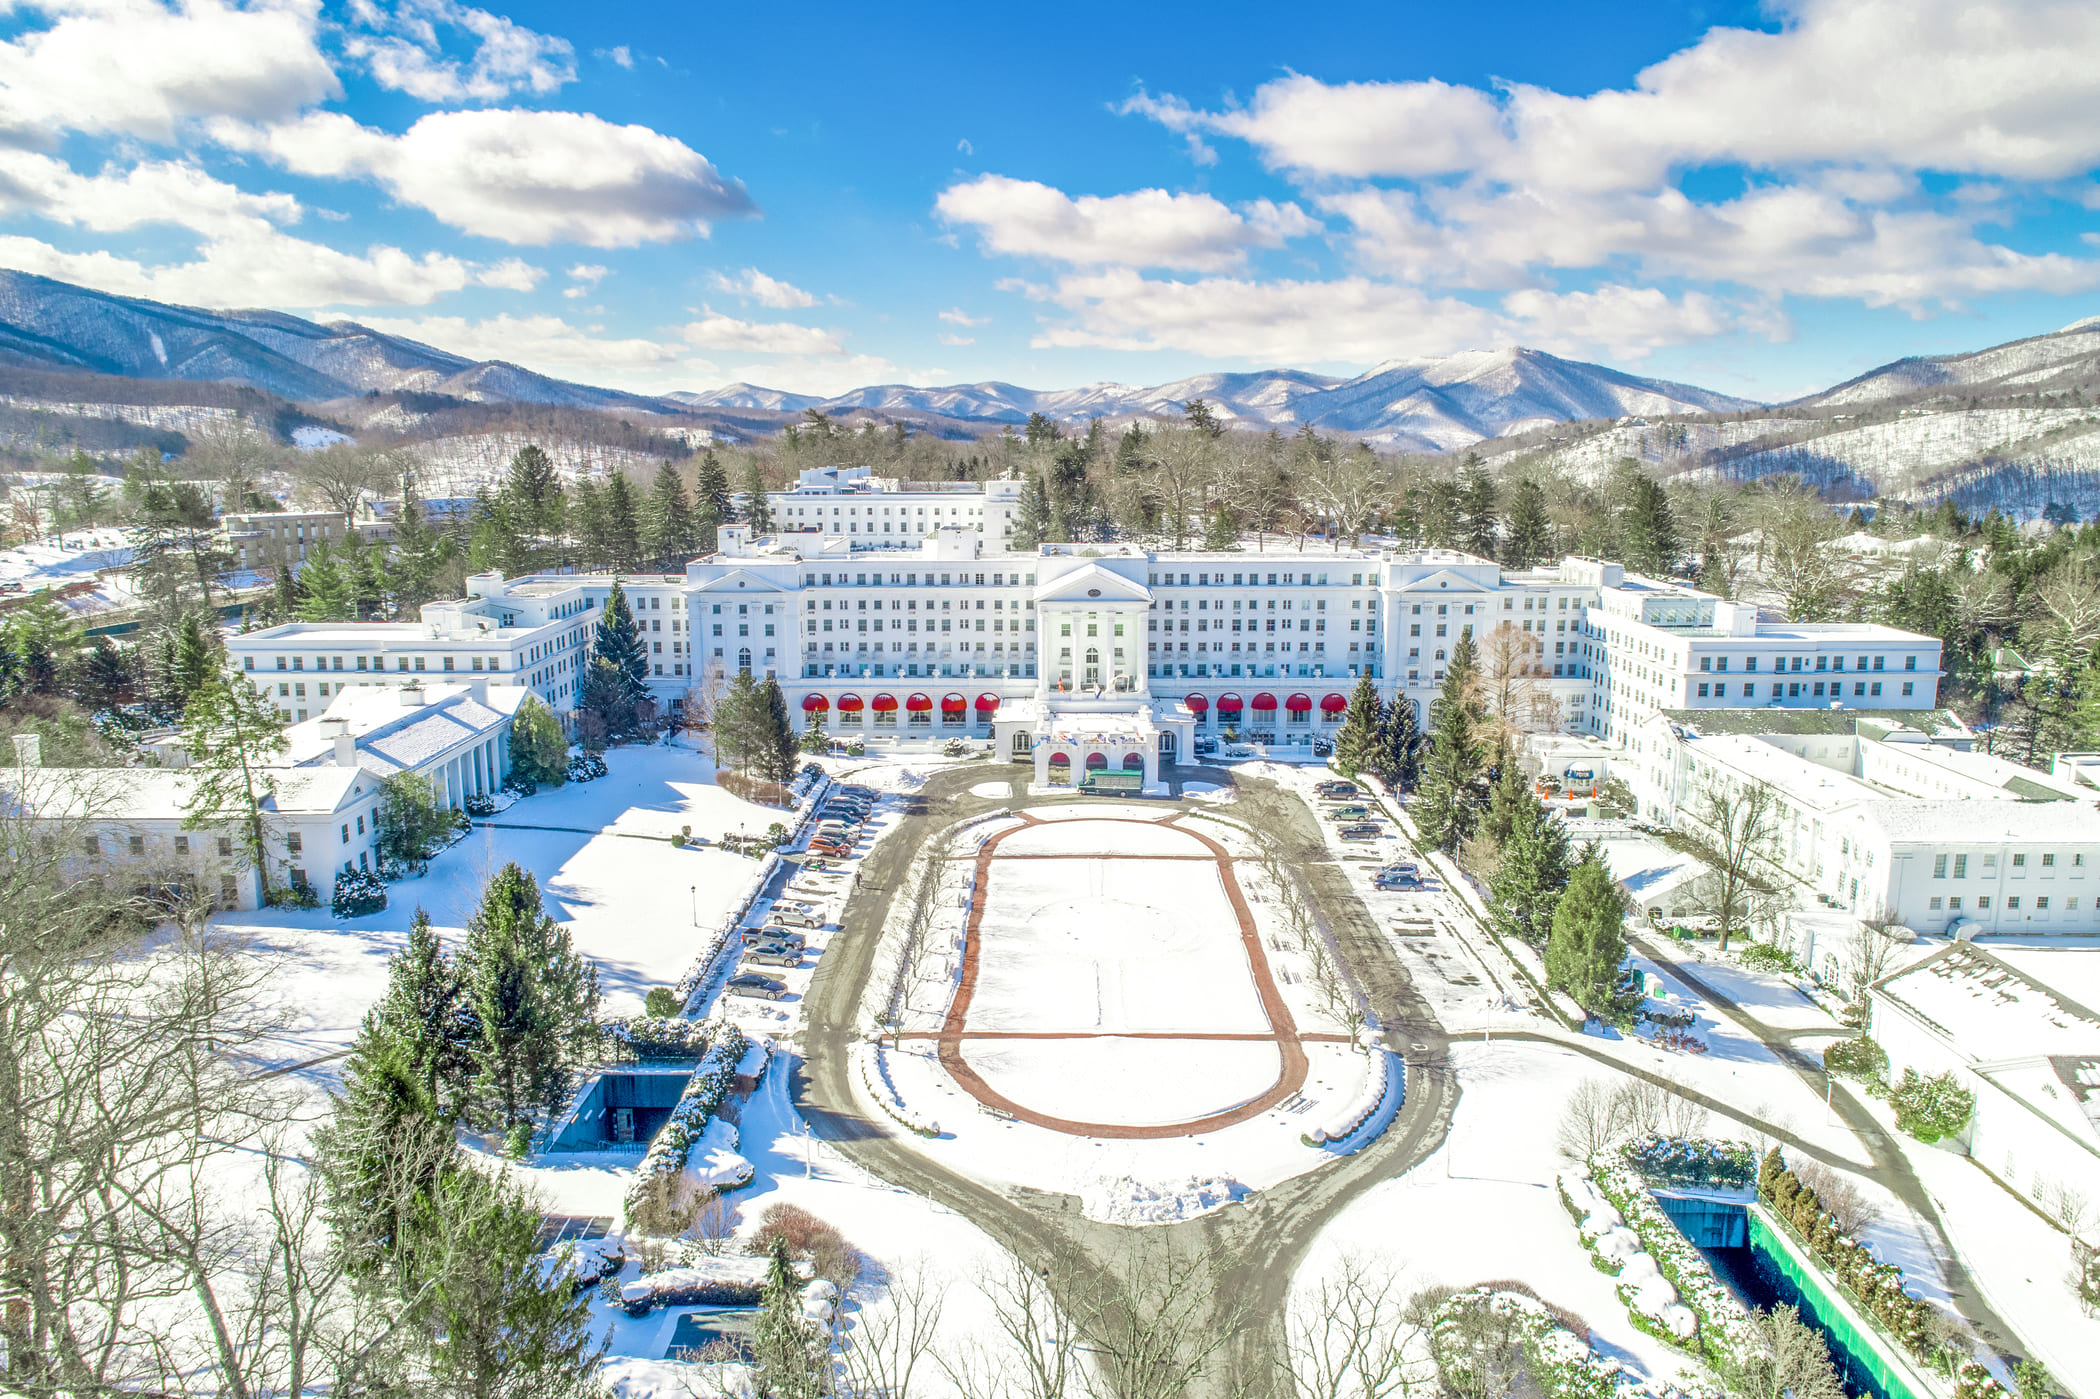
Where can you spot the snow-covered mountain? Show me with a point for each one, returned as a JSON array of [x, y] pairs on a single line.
[[51, 325], [2040, 363], [1422, 404]]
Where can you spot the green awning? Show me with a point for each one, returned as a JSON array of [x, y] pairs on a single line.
[[1103, 780]]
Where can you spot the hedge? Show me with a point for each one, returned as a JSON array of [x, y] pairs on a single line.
[[656, 1037], [357, 893], [1724, 1327], [702, 1098], [1691, 1161]]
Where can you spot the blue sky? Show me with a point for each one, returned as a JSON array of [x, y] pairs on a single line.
[[1763, 201]]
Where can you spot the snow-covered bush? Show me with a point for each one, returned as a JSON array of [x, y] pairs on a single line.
[[1877, 1286], [668, 1153], [357, 893], [1352, 1115], [1856, 1057], [1769, 957], [1724, 1330], [1931, 1108], [656, 1037], [1616, 1250], [1559, 1363], [957, 747], [478, 804], [584, 1262], [1691, 1161], [586, 767], [876, 1076]]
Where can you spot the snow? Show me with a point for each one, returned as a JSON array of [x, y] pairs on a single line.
[[997, 791], [1111, 945], [1127, 1201], [1125, 1080], [1121, 838]]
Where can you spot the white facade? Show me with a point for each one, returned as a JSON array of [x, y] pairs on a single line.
[[274, 539], [1887, 824], [877, 512]]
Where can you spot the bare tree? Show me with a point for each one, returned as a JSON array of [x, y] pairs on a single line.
[[1787, 1360], [1850, 1207], [1513, 672], [1352, 1336], [2064, 1203], [1867, 959], [895, 1322], [1351, 493], [1155, 1325], [1591, 1120], [1735, 830], [1035, 1351], [342, 475]]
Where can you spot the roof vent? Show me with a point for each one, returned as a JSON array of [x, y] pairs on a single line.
[[411, 696]]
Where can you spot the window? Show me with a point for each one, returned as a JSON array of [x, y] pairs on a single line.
[[1983, 902], [1906, 687], [2019, 861], [225, 845], [1961, 866], [1934, 902], [2013, 903], [294, 843], [2048, 859], [182, 845], [2041, 904], [1939, 870], [138, 845]]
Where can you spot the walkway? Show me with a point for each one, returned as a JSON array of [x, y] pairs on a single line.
[[1283, 1029]]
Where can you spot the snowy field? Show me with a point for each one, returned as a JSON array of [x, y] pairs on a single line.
[[1113, 938]]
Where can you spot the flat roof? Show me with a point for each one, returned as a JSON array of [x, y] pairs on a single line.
[[1761, 720]]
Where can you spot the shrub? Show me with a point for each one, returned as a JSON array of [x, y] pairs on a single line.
[[678, 841], [1857, 1057], [538, 752], [291, 896], [1768, 957], [586, 767], [856, 747], [956, 747], [806, 1236], [1691, 1161], [655, 1036], [702, 1098], [754, 789], [1931, 1108], [480, 804], [1878, 1286], [661, 1003], [357, 893]]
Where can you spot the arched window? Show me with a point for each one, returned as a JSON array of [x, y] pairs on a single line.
[[743, 660]]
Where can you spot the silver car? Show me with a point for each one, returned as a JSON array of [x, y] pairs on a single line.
[[751, 984]]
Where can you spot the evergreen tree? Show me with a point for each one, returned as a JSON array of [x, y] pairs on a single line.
[[1444, 807], [617, 682], [233, 736], [331, 594], [1441, 523], [1536, 864], [1478, 499], [194, 657], [758, 511], [623, 525], [107, 678], [670, 532], [1509, 800], [533, 488], [779, 752], [532, 998], [1031, 515], [419, 552], [738, 725], [788, 1360], [425, 1016], [1397, 757], [1588, 943], [1527, 533], [539, 754], [1220, 535], [1356, 742], [711, 502], [589, 526], [380, 1155], [1650, 529]]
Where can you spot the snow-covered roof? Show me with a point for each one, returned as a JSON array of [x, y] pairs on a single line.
[[1990, 1011], [1981, 822], [393, 735], [160, 794], [1813, 721]]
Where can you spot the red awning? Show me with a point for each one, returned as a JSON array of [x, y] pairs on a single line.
[[918, 704], [849, 704], [1197, 703], [1334, 704], [1265, 700], [885, 703], [987, 703], [953, 704], [1298, 703], [815, 704], [1230, 704]]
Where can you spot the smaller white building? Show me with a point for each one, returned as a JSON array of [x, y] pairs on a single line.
[[278, 538], [2017, 1024]]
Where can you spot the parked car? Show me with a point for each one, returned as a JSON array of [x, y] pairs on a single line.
[[772, 932], [866, 793], [797, 916], [1336, 790], [853, 814], [774, 954], [1394, 879], [755, 985], [1205, 745], [1354, 812], [838, 849], [1401, 867], [1362, 830]]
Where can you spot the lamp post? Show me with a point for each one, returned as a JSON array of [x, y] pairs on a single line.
[[696, 905]]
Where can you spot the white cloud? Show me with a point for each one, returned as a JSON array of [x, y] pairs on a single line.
[[618, 53], [1951, 85], [408, 54], [270, 270], [957, 316], [947, 339], [141, 68], [714, 331], [547, 344], [587, 272], [1145, 228], [518, 176], [754, 285]]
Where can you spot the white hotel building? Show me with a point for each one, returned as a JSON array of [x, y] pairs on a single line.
[[872, 595]]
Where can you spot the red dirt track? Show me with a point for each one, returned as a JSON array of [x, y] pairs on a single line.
[[1283, 1030]]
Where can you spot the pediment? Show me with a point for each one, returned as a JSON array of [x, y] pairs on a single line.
[[740, 580], [1092, 584]]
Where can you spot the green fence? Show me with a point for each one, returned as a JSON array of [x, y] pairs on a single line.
[[1865, 1357]]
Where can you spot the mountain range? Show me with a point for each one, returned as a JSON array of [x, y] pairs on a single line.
[[1417, 404]]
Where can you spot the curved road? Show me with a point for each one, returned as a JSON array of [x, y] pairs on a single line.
[[1256, 1248]]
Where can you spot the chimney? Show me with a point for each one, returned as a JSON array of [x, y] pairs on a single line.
[[412, 696], [478, 691], [334, 726], [29, 750], [345, 751]]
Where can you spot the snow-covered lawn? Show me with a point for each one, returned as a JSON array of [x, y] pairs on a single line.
[[1126, 1080]]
